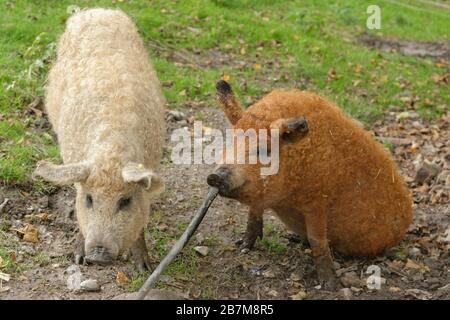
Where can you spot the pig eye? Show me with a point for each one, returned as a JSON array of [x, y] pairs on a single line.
[[89, 201], [124, 203]]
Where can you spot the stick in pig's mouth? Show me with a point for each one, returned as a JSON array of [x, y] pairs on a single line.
[[195, 222]]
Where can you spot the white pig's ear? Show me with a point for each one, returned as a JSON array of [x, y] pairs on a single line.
[[291, 129], [136, 172], [63, 174]]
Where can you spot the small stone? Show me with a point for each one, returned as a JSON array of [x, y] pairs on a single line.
[[346, 293], [74, 281], [55, 265], [202, 250], [414, 252], [90, 285]]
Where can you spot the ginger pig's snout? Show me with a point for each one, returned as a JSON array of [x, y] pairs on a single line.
[[221, 179]]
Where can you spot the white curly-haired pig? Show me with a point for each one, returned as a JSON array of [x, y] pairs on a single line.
[[105, 104]]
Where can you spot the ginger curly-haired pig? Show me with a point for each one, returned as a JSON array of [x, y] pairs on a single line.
[[335, 184], [105, 104]]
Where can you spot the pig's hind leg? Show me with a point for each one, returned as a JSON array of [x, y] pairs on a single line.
[[254, 228], [316, 229], [139, 253], [79, 249]]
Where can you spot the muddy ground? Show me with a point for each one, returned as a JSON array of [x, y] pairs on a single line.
[[279, 268]]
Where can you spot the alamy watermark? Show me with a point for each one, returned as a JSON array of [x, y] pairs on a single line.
[[237, 147], [374, 20]]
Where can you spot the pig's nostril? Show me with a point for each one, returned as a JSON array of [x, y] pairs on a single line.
[[215, 180], [100, 250], [99, 255]]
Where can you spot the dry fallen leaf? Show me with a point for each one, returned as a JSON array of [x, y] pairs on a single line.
[[121, 278], [40, 216], [29, 233], [226, 77], [44, 216], [301, 295], [4, 289], [410, 264], [5, 277]]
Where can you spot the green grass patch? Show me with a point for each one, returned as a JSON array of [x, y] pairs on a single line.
[[307, 44]]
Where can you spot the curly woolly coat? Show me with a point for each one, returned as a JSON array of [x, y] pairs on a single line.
[[106, 106], [335, 183]]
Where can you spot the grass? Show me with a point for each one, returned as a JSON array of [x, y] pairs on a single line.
[[271, 243], [265, 44], [7, 253]]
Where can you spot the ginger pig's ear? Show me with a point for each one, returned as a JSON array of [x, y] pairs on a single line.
[[136, 172], [63, 174], [228, 102], [291, 129]]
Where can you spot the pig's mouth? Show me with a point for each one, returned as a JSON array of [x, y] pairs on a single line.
[[222, 180], [99, 255]]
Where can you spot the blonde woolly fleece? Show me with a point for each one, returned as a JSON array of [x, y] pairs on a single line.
[[105, 104]]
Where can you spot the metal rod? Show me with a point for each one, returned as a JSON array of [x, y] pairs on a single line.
[[195, 222]]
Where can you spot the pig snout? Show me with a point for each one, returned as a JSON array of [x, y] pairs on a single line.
[[221, 179], [227, 180], [99, 255]]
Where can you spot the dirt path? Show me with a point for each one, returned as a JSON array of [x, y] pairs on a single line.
[[280, 267]]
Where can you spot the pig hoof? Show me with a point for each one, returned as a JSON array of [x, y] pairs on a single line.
[[144, 264], [329, 282], [245, 245], [79, 259]]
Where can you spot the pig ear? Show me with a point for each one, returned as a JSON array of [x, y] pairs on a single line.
[[136, 172], [291, 129], [62, 174], [228, 102]]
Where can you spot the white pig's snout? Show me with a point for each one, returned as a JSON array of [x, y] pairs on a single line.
[[101, 250]]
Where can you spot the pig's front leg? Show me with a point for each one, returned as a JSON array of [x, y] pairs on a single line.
[[140, 254], [79, 249], [317, 238], [254, 228]]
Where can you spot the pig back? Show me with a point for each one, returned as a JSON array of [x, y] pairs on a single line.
[[103, 93]]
